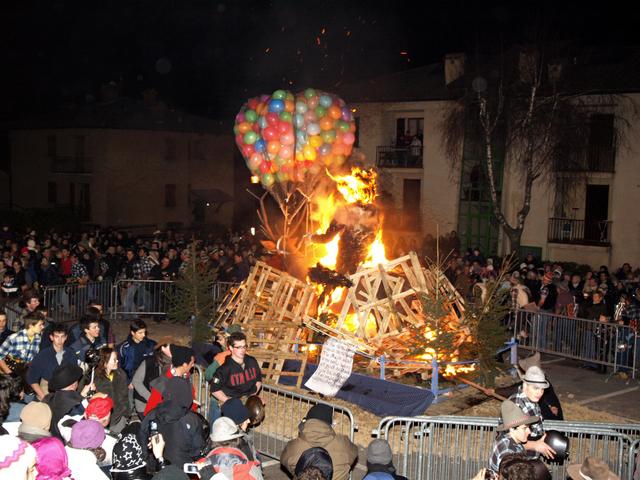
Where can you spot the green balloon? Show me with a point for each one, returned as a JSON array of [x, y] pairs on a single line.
[[343, 126], [320, 112], [250, 138], [309, 93], [282, 177], [285, 116], [328, 136], [279, 95], [267, 180], [250, 116]]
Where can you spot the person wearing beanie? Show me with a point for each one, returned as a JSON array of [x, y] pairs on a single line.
[[36, 422], [181, 428], [52, 462], [63, 398], [235, 410], [316, 431], [84, 451], [98, 409], [380, 459], [17, 458], [128, 455], [182, 361]]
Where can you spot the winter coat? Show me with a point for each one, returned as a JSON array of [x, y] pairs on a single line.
[[181, 428], [116, 389], [388, 469], [316, 433], [132, 354]]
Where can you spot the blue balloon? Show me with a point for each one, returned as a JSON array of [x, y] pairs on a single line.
[[259, 145], [262, 122], [301, 107], [298, 120], [301, 138], [276, 106], [325, 101]]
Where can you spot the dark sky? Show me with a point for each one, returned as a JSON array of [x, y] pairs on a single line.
[[208, 56]]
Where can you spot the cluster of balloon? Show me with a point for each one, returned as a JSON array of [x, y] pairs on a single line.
[[283, 136]]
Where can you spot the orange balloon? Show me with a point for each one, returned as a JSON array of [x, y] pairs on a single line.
[[326, 123], [335, 112], [288, 106], [244, 127], [273, 147], [299, 157]]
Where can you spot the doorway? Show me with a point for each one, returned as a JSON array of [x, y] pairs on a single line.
[[596, 213]]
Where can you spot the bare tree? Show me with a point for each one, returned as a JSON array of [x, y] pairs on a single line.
[[524, 103]]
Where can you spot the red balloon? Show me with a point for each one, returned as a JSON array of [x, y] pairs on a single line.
[[273, 118], [248, 150], [285, 127], [270, 133], [287, 139], [265, 167]]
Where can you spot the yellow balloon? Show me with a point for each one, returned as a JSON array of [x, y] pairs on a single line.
[[315, 141], [309, 153]]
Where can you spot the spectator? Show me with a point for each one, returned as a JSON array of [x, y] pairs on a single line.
[[591, 468], [89, 339], [4, 328], [46, 361], [521, 467], [17, 458], [314, 463], [380, 459], [235, 410], [20, 348], [135, 349], [112, 382], [85, 452], [52, 462], [316, 431], [182, 361], [181, 428], [149, 370], [513, 433], [129, 456], [9, 392], [35, 422]]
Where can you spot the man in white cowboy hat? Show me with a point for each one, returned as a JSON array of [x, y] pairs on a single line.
[[592, 469], [513, 433], [527, 397]]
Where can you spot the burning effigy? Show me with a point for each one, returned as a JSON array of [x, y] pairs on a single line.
[[335, 276]]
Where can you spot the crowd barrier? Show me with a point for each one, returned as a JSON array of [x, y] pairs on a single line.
[[131, 298], [432, 448], [285, 409], [201, 388], [13, 316], [590, 341], [69, 300]]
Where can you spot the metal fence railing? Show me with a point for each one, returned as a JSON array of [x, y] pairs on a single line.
[[201, 388], [433, 448], [13, 312], [590, 341], [70, 300], [285, 410], [131, 298]]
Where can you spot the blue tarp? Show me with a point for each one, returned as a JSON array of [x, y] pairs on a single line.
[[381, 397]]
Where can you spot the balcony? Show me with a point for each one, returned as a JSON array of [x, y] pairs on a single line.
[[579, 232], [71, 164], [593, 161], [389, 156]]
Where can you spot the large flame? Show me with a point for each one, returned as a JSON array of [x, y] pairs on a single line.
[[359, 186]]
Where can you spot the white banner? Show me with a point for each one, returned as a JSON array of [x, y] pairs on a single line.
[[336, 363]]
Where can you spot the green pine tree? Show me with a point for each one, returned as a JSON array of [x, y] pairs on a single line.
[[192, 299]]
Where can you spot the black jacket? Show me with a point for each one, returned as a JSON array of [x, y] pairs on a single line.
[[181, 428], [390, 469]]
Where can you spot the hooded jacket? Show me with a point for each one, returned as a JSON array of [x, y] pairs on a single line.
[[180, 427], [317, 433]]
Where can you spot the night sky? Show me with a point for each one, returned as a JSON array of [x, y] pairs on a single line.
[[206, 57]]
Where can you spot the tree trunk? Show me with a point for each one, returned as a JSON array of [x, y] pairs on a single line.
[[514, 235]]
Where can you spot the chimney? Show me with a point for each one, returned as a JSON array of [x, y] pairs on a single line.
[[453, 67]]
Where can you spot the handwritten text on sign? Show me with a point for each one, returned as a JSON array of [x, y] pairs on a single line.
[[336, 363]]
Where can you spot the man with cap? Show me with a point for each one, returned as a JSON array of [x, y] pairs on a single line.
[[591, 469], [182, 361], [316, 431], [513, 433], [380, 459], [526, 398], [63, 398], [34, 424], [549, 403]]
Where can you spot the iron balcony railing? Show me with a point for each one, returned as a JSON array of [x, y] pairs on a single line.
[[594, 160], [581, 232], [71, 164], [389, 156]]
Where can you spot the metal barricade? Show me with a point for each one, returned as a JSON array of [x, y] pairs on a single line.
[[431, 448], [590, 341], [201, 387], [68, 301], [285, 410], [142, 297], [12, 311]]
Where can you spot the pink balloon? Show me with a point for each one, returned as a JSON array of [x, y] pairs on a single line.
[[348, 138], [285, 151], [287, 139]]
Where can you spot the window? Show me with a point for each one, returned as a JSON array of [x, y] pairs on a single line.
[[407, 128], [170, 153], [601, 154], [52, 146], [52, 192], [170, 195]]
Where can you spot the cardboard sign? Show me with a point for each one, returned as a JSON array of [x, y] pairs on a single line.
[[336, 363]]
